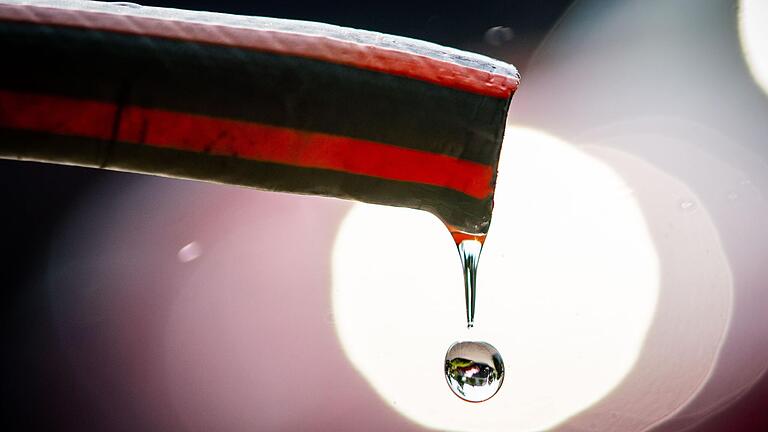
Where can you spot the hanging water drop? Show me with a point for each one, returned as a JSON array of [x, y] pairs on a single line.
[[474, 370]]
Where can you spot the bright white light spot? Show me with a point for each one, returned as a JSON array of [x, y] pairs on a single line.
[[753, 16], [567, 288], [190, 252]]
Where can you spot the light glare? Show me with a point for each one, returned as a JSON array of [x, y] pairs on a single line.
[[567, 287], [753, 16]]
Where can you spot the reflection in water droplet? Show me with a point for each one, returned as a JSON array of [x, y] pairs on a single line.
[[474, 370], [190, 252]]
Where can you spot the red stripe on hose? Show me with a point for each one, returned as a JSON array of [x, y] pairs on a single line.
[[57, 115], [316, 47], [253, 141]]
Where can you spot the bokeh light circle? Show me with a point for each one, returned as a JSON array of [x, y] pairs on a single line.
[[567, 288], [753, 16]]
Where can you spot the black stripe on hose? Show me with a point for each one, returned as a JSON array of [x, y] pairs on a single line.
[[245, 85], [452, 207]]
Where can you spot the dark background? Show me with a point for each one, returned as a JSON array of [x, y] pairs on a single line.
[[40, 394]]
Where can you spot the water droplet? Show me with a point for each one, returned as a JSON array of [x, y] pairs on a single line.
[[190, 252], [688, 205], [474, 370], [499, 35], [733, 196]]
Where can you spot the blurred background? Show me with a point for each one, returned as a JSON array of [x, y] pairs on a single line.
[[623, 280]]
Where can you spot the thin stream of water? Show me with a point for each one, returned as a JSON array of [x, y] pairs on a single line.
[[469, 246], [469, 251]]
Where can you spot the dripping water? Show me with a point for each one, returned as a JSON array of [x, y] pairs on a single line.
[[470, 246], [473, 370]]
